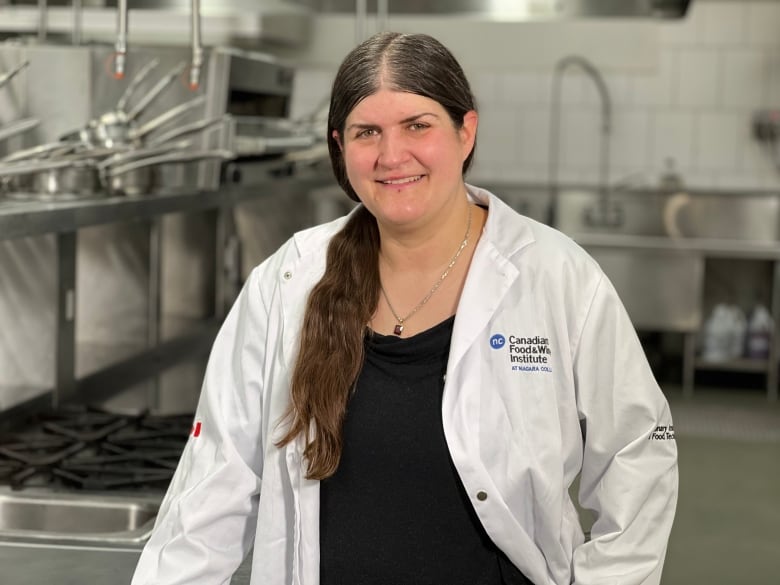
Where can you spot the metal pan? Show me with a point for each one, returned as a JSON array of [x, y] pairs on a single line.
[[117, 128], [51, 180], [141, 177], [77, 178]]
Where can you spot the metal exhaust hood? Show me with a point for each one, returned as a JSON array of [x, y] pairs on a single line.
[[513, 10], [165, 22]]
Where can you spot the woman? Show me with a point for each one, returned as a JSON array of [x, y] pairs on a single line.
[[406, 395]]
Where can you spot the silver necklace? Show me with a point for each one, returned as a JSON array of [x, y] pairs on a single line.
[[398, 329]]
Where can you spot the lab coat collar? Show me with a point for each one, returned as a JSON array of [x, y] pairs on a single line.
[[501, 228]]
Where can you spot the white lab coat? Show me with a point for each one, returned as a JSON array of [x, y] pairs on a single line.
[[579, 396]]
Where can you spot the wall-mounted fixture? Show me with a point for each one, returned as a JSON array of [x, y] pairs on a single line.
[[766, 129], [246, 23], [606, 213]]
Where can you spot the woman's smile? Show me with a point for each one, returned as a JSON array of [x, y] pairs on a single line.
[[402, 182]]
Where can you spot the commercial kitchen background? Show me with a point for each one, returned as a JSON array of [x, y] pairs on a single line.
[[684, 95]]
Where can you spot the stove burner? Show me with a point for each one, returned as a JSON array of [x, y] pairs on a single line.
[[41, 452], [101, 479], [95, 450], [91, 427]]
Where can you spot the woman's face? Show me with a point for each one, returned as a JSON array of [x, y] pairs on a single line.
[[404, 156]]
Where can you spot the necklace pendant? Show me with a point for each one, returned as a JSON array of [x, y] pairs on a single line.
[[398, 329]]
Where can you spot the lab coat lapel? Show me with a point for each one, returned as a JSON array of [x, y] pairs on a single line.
[[296, 280], [488, 281], [490, 275]]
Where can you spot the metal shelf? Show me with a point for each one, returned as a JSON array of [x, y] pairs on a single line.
[[64, 218], [31, 218], [757, 366]]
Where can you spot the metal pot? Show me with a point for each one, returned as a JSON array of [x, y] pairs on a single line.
[[141, 177], [77, 177], [118, 128], [51, 180]]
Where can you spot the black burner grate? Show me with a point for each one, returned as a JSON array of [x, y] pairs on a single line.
[[86, 449]]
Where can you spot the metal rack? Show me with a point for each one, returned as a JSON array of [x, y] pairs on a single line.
[[66, 218], [700, 250]]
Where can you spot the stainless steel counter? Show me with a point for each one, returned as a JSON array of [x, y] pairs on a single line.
[[37, 564], [710, 247], [30, 218]]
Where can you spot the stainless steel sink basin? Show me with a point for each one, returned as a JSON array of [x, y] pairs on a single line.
[[76, 518], [680, 214]]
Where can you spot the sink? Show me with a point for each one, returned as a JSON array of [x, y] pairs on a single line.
[[679, 214], [77, 518]]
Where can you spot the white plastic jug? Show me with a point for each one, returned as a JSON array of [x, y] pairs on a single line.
[[724, 334], [759, 333]]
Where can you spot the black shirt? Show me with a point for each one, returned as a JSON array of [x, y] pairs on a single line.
[[395, 511]]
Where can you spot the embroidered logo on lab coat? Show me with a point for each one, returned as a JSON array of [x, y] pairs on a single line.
[[662, 433], [525, 354]]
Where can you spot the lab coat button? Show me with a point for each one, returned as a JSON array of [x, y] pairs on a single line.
[[287, 275], [482, 496]]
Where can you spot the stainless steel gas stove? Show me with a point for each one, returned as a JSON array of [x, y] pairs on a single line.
[[86, 477]]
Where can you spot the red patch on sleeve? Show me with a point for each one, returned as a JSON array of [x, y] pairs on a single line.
[[196, 429]]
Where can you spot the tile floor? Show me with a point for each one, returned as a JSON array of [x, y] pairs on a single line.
[[727, 528]]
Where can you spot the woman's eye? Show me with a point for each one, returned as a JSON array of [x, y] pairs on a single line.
[[418, 126], [368, 132]]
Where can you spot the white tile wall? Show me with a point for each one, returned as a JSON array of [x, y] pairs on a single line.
[[714, 69], [671, 137], [698, 78], [716, 137], [744, 78]]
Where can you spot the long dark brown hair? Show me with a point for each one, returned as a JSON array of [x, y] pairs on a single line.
[[341, 305]]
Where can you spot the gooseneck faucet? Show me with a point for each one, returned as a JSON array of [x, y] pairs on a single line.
[[604, 215]]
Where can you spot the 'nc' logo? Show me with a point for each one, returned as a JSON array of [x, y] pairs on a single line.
[[497, 341]]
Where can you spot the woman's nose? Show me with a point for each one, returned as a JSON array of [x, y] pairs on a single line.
[[393, 150]]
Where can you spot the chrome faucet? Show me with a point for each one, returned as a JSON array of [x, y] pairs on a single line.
[[606, 212]]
